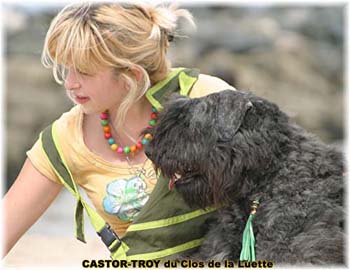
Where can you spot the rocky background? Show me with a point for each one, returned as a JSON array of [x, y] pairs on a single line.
[[292, 55]]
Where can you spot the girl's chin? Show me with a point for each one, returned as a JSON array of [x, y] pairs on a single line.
[[89, 110]]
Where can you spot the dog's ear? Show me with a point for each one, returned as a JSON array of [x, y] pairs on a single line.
[[232, 107]]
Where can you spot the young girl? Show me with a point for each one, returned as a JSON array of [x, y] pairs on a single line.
[[109, 57]]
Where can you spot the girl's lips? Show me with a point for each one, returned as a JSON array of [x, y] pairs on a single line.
[[81, 100]]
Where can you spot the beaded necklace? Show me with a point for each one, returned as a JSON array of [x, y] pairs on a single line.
[[104, 116]]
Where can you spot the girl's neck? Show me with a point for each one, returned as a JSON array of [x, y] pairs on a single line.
[[137, 119], [137, 111]]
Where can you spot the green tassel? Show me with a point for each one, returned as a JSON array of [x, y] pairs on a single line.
[[248, 241]]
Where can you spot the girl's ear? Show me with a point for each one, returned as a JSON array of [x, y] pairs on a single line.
[[137, 72]]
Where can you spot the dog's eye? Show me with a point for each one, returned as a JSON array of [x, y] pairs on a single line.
[[189, 171]]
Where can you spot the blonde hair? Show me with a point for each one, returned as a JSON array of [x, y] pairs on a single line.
[[122, 36]]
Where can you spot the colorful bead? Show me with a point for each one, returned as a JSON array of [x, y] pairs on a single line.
[[114, 147], [144, 141], [139, 145], [106, 129], [154, 109], [126, 149], [133, 149], [108, 135], [111, 141], [104, 116], [104, 122], [148, 136], [152, 122], [120, 150], [153, 116]]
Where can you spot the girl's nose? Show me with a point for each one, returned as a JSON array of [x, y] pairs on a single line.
[[71, 82]]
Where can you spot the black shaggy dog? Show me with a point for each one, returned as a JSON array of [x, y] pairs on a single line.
[[230, 148]]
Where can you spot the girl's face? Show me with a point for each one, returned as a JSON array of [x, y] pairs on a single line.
[[95, 93]]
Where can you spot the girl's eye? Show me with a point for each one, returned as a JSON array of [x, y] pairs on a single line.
[[83, 73]]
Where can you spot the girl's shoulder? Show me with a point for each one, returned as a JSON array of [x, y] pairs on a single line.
[[67, 126], [207, 84], [70, 121]]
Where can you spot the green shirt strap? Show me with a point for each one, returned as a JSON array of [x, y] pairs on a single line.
[[161, 253], [54, 154], [150, 225], [179, 80]]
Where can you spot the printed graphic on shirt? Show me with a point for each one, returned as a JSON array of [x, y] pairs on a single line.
[[125, 197]]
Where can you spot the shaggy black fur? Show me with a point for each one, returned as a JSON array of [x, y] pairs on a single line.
[[231, 148]]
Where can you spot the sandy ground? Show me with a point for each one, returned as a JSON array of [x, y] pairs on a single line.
[[51, 244]]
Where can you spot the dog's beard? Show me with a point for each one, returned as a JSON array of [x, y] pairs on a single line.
[[195, 191]]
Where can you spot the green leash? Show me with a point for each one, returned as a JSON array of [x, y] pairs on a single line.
[[248, 241]]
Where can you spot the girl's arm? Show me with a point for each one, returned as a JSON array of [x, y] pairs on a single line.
[[28, 198]]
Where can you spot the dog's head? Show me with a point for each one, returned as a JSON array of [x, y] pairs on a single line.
[[206, 146]]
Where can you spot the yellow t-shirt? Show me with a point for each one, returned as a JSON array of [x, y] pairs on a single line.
[[118, 192]]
